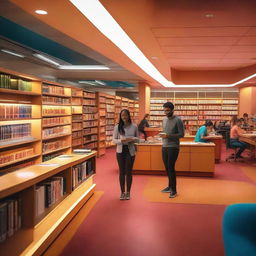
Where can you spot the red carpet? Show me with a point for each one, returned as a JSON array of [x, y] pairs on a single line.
[[139, 227]]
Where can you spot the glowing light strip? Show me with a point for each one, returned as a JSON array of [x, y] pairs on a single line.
[[12, 53], [83, 67], [94, 11]]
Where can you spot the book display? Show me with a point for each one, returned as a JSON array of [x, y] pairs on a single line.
[[90, 120], [20, 122], [194, 111], [37, 202], [110, 119], [77, 117], [101, 101], [56, 103]]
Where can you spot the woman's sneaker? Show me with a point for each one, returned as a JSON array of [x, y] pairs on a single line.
[[122, 196], [128, 196], [166, 190], [173, 194]]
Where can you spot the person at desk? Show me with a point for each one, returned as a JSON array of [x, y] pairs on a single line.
[[235, 132], [144, 123], [203, 131]]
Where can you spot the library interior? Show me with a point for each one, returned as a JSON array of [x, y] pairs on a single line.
[[127, 127]]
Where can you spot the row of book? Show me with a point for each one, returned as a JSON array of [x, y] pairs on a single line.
[[90, 124], [77, 101], [89, 102], [55, 131], [10, 157], [110, 128], [217, 112], [89, 95], [110, 101], [77, 93], [89, 109], [92, 145], [77, 134], [90, 116], [55, 121], [102, 121], [53, 89], [14, 84], [54, 111], [15, 111], [49, 192], [93, 130], [10, 217], [110, 121], [79, 173], [110, 115], [55, 100], [77, 117], [58, 144], [109, 133], [77, 142], [77, 126], [110, 108], [89, 138], [15, 131]]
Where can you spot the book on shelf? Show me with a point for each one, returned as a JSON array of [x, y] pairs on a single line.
[[82, 150], [15, 131]]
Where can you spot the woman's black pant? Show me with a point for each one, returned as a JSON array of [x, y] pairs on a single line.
[[170, 155], [125, 163]]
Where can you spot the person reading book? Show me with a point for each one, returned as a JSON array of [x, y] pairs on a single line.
[[124, 136], [203, 132], [144, 123]]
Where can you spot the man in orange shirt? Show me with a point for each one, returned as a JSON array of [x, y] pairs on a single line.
[[235, 132]]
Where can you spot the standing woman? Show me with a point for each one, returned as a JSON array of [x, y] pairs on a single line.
[[125, 135]]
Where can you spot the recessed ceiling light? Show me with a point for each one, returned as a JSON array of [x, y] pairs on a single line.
[[12, 53], [41, 12], [209, 15], [154, 58], [44, 58]]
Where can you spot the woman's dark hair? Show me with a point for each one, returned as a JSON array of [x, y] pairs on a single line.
[[121, 122], [208, 123], [168, 105], [245, 115], [146, 115]]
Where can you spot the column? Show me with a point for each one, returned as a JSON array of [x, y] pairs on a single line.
[[144, 99], [247, 102]]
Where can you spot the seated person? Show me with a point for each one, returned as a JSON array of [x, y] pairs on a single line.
[[203, 131], [216, 125], [144, 123], [235, 132]]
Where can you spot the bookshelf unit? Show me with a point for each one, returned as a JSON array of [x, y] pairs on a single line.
[[20, 121], [194, 111], [101, 102], [90, 120], [110, 119], [77, 117], [56, 103], [118, 108], [38, 217]]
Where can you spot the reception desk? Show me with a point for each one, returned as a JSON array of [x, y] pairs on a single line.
[[216, 139], [195, 159]]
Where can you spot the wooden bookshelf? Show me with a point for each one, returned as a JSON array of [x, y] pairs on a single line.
[[90, 120], [101, 102], [20, 120], [194, 111], [56, 103], [110, 119], [77, 118], [118, 108], [37, 219]]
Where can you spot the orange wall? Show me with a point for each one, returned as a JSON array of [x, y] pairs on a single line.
[[144, 100], [247, 102]]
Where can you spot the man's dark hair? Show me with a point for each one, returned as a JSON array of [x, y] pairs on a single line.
[[168, 105], [208, 123]]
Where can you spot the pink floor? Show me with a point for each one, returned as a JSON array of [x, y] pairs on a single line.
[[139, 227]]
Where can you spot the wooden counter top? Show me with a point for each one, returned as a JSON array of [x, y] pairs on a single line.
[[182, 144], [13, 182]]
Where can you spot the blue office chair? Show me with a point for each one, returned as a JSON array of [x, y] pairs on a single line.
[[239, 230]]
